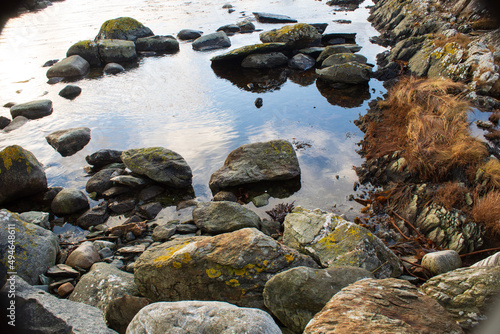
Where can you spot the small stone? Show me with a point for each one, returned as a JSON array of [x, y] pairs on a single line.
[[113, 68], [84, 256], [65, 289], [68, 142], [442, 261], [188, 34], [163, 233], [69, 201], [70, 92], [225, 196], [105, 252], [261, 200], [150, 210], [258, 102], [4, 122]]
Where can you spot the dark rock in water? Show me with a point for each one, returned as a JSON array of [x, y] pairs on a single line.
[[344, 22], [50, 62], [347, 96], [348, 73], [54, 80], [320, 27], [295, 36], [87, 49], [16, 123], [113, 68], [338, 38], [258, 102], [122, 310], [68, 142], [167, 44], [104, 157], [264, 60], [212, 41], [9, 104], [115, 51], [101, 181], [242, 52], [125, 28], [188, 34], [33, 109], [225, 196], [69, 201], [4, 121], [94, 216], [70, 92], [273, 18], [147, 53], [21, 174], [150, 210], [150, 192], [343, 2], [122, 206], [246, 26], [230, 28], [342, 58], [391, 71], [301, 62], [70, 67]]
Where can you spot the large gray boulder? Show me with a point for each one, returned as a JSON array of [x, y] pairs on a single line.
[[296, 295], [295, 36], [32, 110], [232, 267], [348, 73], [201, 317], [68, 201], [266, 161], [333, 241], [68, 142], [167, 44], [222, 216], [216, 40], [38, 311], [35, 248], [116, 50], [21, 174], [70, 67], [124, 28], [87, 49], [265, 60], [160, 165]]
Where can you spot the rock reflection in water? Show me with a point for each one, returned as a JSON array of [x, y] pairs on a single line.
[[275, 189], [347, 96], [303, 78]]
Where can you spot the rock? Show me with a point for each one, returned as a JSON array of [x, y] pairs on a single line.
[[150, 192], [201, 317], [320, 27], [266, 161], [342, 58], [273, 18], [35, 248], [15, 124], [84, 256], [493, 260], [167, 44], [65, 289], [265, 60], [43, 313], [442, 261], [115, 51], [258, 103], [225, 196], [103, 283], [150, 210], [217, 40], [68, 201], [261, 200], [70, 67], [335, 241], [338, 38], [296, 36], [122, 310], [221, 217], [62, 271], [301, 62], [94, 216], [70, 92], [101, 181], [188, 34], [159, 164], [230, 267], [348, 73], [49, 63], [163, 233], [113, 68], [121, 206], [4, 121], [244, 51], [123, 28], [246, 26], [382, 306], [32, 110], [229, 28], [88, 50], [333, 49], [68, 142], [129, 181], [104, 157], [21, 174], [296, 295], [35, 217]]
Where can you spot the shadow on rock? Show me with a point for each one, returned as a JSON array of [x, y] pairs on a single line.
[[347, 96]]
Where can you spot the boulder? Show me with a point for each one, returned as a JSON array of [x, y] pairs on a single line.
[[167, 44], [35, 248], [296, 295], [342, 58], [340, 48], [265, 60], [101, 181], [216, 40], [442, 261], [113, 68], [232, 267], [246, 26], [159, 164], [244, 51], [16, 123], [301, 62], [188, 34], [221, 217], [382, 306], [104, 157], [70, 92], [70, 67], [88, 50], [468, 294], [229, 28], [348, 73], [116, 50], [68, 201], [32, 110], [334, 241], [4, 121], [21, 174], [295, 36], [68, 142], [124, 28], [83, 257], [265, 161], [201, 317], [273, 18], [122, 310]]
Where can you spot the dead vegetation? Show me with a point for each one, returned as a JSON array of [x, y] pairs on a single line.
[[486, 210], [461, 39]]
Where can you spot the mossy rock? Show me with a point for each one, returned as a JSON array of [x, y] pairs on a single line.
[[125, 28], [246, 50], [347, 73], [87, 49], [296, 36], [115, 51]]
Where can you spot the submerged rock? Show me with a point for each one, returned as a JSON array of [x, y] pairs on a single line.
[[295, 36], [68, 142], [70, 67], [124, 28], [32, 110], [301, 62], [217, 40]]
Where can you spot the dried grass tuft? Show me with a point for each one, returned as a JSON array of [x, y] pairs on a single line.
[[486, 210], [451, 195]]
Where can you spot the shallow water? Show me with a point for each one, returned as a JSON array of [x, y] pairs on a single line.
[[178, 102]]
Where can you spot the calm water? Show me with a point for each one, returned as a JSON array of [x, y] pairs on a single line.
[[177, 101]]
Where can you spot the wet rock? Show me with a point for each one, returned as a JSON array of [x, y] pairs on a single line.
[[88, 50], [334, 241], [230, 267], [334, 49], [467, 293], [124, 28], [15, 124], [348, 73], [4, 121], [247, 50], [246, 26], [49, 63], [258, 103], [273, 18], [217, 40], [65, 289], [83, 257], [221, 217], [229, 28], [68, 142], [382, 306], [35, 248], [225, 196], [166, 44], [150, 192], [68, 201], [32, 110], [342, 58], [115, 51], [104, 157], [188, 34], [70, 92], [70, 67], [202, 317], [113, 68], [21, 174], [338, 38], [320, 27], [129, 181], [442, 261], [94, 216], [295, 36], [35, 217], [159, 164], [122, 310], [265, 60], [40, 310], [296, 295], [150, 210], [122, 206], [266, 161], [101, 181], [301, 62]]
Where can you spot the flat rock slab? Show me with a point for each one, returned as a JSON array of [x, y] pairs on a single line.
[[244, 51], [32, 110], [216, 40], [273, 18], [70, 67], [68, 142]]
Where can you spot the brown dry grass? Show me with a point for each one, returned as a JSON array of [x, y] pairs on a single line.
[[429, 124], [492, 172], [494, 117], [486, 210], [450, 195], [460, 39]]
